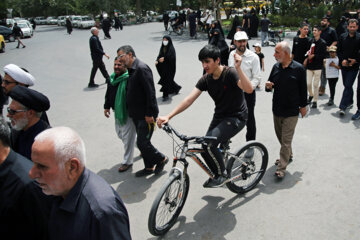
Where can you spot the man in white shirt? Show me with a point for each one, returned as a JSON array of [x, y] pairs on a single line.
[[251, 67]]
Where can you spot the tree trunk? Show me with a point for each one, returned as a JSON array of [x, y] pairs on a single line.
[[138, 7]]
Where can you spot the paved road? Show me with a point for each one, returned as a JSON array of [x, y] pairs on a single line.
[[318, 199]]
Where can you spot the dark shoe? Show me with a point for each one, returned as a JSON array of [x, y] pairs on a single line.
[[17, 47], [249, 153], [330, 102], [124, 167], [165, 98], [309, 100], [160, 166], [24, 46], [215, 182], [356, 116], [321, 91], [93, 85], [342, 112], [314, 105], [143, 172]]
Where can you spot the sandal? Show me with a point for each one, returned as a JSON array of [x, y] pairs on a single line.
[[277, 162], [280, 174]]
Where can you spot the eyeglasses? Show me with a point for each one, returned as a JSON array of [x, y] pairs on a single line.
[[7, 82], [120, 56], [13, 112]]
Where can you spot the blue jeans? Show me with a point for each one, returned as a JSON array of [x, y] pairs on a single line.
[[349, 77], [264, 38]]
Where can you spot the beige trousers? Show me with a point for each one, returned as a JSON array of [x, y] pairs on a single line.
[[285, 129], [313, 81]]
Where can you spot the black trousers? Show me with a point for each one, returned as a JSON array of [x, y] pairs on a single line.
[[98, 64], [107, 32], [149, 153], [332, 86], [250, 124], [223, 129]]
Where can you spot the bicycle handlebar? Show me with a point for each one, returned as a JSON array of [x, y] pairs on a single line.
[[199, 140]]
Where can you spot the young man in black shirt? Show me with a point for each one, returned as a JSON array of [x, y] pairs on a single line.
[[225, 86], [301, 44], [314, 62]]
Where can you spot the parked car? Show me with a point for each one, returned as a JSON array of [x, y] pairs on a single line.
[[26, 28], [86, 22], [75, 21], [61, 20], [10, 22], [40, 20], [51, 20], [2, 43], [7, 33]]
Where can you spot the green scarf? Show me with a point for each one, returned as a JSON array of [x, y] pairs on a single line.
[[120, 99]]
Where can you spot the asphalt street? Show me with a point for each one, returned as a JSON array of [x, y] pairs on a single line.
[[317, 199]]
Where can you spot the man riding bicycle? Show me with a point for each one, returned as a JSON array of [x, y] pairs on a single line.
[[225, 86]]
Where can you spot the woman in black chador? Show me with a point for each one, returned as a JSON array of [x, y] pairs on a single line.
[[68, 25], [166, 67]]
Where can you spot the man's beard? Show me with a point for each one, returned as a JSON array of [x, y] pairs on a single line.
[[20, 124], [241, 49]]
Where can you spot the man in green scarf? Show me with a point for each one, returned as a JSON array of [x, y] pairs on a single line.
[[115, 98]]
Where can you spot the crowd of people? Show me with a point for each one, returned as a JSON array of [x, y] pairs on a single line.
[[43, 168]]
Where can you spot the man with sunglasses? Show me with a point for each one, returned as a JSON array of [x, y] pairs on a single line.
[[24, 113]]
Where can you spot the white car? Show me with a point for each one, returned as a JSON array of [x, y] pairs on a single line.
[[75, 21], [51, 20], [86, 22], [40, 20], [25, 28], [28, 24], [61, 20]]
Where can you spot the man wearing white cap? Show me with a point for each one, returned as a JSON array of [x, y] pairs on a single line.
[[14, 75], [251, 67]]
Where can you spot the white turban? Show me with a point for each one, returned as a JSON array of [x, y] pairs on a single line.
[[19, 75]]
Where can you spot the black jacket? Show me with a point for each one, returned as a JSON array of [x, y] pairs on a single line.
[[140, 93], [349, 47], [96, 48], [110, 96]]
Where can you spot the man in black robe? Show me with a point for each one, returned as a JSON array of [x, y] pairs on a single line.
[[106, 25], [24, 112], [23, 208]]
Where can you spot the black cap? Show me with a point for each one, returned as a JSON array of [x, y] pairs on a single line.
[[30, 98]]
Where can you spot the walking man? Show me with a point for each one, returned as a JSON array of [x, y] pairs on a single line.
[[17, 32], [142, 108], [264, 24], [348, 53], [97, 54], [301, 44], [288, 82], [251, 67], [115, 98]]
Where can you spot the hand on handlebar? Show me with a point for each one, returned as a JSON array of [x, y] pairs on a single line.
[[160, 121]]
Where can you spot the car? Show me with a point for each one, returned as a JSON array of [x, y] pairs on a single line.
[[40, 20], [61, 20], [86, 22], [2, 43], [51, 20], [75, 20], [7, 33], [10, 22], [27, 30]]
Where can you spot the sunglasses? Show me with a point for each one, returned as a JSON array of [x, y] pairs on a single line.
[[13, 112]]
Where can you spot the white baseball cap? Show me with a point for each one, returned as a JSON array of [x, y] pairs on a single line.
[[257, 45], [241, 35]]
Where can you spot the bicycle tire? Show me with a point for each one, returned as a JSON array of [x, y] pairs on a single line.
[[234, 167], [173, 207]]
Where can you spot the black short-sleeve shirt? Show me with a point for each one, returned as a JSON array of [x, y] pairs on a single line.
[[228, 97]]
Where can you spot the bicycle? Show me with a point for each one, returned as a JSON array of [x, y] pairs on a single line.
[[244, 173], [274, 36]]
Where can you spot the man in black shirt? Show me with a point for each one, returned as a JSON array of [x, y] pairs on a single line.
[[17, 32], [301, 44], [329, 35], [225, 86], [23, 207], [348, 53], [97, 53], [143, 109], [166, 20], [264, 24], [288, 80], [84, 206], [314, 62]]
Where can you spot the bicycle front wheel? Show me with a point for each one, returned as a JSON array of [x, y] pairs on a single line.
[[168, 204], [247, 168]]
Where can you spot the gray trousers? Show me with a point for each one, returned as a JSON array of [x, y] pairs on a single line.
[[127, 133], [285, 129]]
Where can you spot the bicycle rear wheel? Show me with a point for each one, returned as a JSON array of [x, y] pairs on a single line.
[[168, 204], [247, 176]]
